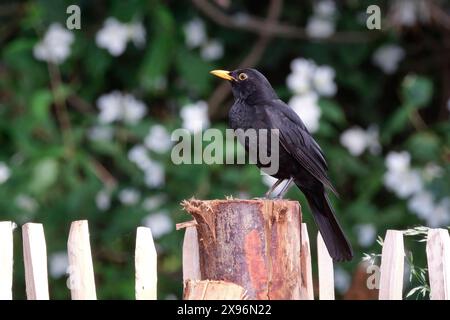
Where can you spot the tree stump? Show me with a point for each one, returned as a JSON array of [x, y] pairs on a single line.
[[253, 243]]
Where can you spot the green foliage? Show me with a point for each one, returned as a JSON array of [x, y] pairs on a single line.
[[58, 171]]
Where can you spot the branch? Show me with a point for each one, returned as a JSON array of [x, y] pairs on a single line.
[[255, 54], [257, 25]]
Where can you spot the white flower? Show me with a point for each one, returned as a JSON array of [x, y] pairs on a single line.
[[195, 116], [373, 139], [441, 214], [136, 32], [299, 82], [432, 171], [388, 57], [448, 105], [5, 172], [341, 279], [159, 223], [403, 183], [129, 196], [303, 66], [323, 80], [154, 202], [366, 234], [139, 156], [116, 106], [319, 27], [133, 109], [325, 8], [409, 12], [110, 106], [355, 140], [398, 161], [26, 203], [59, 263], [103, 200], [158, 139], [101, 133], [422, 204], [195, 33], [306, 106], [154, 175], [55, 46], [212, 50], [115, 35]]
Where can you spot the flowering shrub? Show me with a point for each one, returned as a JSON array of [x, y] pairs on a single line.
[[86, 117]]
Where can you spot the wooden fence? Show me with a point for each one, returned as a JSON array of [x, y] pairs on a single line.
[[81, 281]]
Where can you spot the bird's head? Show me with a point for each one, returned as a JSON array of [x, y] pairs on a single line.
[[248, 85]]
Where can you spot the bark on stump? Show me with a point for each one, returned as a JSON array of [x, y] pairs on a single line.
[[253, 243]]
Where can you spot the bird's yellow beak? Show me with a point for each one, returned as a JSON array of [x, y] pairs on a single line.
[[222, 74]]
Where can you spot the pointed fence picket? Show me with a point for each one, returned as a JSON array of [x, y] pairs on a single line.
[[81, 280]]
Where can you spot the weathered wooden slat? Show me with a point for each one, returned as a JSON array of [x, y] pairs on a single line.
[[145, 265], [81, 270], [438, 256], [306, 289], [35, 261], [392, 266], [326, 273], [6, 259], [191, 258]]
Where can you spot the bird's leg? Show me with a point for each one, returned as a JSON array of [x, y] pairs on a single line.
[[285, 189], [273, 187]]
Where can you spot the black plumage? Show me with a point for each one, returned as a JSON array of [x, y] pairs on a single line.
[[257, 106]]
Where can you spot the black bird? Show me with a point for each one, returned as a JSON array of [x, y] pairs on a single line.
[[301, 159]]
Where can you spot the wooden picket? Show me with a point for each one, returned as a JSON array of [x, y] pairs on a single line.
[[35, 260], [145, 265], [392, 266], [82, 281], [6, 260], [438, 256], [81, 270], [326, 274]]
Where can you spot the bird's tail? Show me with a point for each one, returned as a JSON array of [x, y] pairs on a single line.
[[337, 244]]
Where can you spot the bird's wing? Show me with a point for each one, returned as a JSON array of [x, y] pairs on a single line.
[[296, 140]]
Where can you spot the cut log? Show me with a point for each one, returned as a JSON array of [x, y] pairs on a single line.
[[213, 290], [253, 243]]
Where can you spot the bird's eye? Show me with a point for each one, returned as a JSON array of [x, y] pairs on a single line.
[[243, 76]]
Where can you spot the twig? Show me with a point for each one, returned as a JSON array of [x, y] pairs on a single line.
[[103, 174], [60, 105], [417, 121], [258, 25], [185, 224], [255, 54]]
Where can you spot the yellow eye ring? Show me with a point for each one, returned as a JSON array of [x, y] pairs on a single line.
[[242, 76]]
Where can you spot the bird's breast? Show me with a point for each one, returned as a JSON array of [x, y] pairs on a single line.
[[241, 116]]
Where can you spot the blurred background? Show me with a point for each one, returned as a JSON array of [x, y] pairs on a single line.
[[86, 117]]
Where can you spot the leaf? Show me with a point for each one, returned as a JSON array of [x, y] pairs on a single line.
[[40, 103], [412, 291], [424, 146], [157, 60], [332, 111], [395, 124], [194, 71], [417, 90], [45, 173]]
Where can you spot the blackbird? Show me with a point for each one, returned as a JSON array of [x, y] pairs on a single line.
[[301, 160]]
